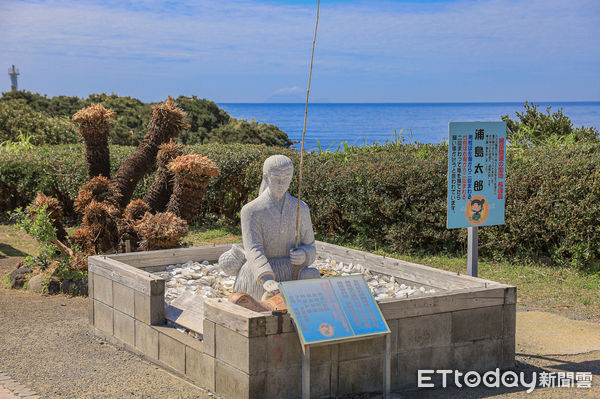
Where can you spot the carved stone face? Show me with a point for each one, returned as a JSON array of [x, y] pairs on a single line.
[[279, 181]]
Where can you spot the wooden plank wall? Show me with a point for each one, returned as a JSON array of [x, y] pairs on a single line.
[[419, 274], [152, 259], [126, 275]]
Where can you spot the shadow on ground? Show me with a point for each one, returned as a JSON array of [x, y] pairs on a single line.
[[8, 251]]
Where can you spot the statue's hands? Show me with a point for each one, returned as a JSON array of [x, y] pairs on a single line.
[[268, 295], [270, 285], [297, 256]]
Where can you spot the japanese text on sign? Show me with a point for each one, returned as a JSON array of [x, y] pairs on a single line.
[[476, 174], [334, 308]]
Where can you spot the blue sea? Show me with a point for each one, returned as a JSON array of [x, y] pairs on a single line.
[[330, 124]]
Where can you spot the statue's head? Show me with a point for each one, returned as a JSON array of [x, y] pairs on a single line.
[[278, 171]]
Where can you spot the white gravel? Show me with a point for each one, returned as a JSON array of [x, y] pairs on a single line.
[[207, 280]]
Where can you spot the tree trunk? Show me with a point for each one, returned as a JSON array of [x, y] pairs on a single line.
[[166, 123]]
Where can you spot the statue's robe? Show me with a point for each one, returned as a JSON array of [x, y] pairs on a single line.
[[269, 233]]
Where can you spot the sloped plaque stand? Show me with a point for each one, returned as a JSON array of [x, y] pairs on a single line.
[[335, 310]]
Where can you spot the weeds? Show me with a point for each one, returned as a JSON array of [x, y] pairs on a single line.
[[16, 147]]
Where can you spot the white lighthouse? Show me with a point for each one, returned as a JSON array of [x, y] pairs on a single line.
[[13, 72]]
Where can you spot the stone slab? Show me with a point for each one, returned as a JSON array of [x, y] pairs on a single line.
[[209, 338], [200, 368], [124, 327], [480, 355], [360, 349], [91, 298], [231, 382], [475, 324], [187, 311], [287, 383], [178, 336], [103, 317], [360, 375], [409, 362], [246, 354], [285, 351], [171, 352], [146, 339], [241, 320], [123, 298], [149, 309], [103, 290], [124, 274], [277, 324], [424, 331]]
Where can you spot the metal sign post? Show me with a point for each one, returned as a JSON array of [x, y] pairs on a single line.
[[387, 367], [306, 372], [472, 251]]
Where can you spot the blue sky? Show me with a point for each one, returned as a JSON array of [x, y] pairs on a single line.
[[255, 51]]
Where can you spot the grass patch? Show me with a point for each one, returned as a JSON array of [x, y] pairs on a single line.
[[6, 281], [14, 242], [200, 236], [538, 286]]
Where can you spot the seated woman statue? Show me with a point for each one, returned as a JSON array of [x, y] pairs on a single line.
[[269, 234]]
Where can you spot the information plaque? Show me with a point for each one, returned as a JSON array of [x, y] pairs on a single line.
[[333, 309], [476, 174]]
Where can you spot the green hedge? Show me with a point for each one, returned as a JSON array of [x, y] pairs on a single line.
[[56, 170], [389, 197], [61, 170]]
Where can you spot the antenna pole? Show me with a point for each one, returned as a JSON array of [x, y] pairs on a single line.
[[296, 268]]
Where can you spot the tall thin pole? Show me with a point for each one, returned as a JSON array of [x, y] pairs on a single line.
[[472, 250], [312, 57]]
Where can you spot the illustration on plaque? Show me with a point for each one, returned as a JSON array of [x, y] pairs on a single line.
[[326, 329], [477, 210]]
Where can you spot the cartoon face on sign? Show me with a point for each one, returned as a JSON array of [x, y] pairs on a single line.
[[477, 210], [326, 329]]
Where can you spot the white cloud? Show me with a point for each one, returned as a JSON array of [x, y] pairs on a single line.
[[289, 90], [266, 39]]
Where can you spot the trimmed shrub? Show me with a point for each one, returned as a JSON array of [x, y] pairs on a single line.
[[166, 123], [552, 206], [390, 197], [58, 171]]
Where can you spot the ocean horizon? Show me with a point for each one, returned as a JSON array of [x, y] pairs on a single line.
[[331, 124]]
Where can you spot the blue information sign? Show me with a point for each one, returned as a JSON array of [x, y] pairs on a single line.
[[476, 174], [335, 308]]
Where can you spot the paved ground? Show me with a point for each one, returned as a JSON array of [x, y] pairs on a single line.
[[46, 347], [546, 333], [10, 389]]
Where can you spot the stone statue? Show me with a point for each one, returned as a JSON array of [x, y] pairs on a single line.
[[269, 235]]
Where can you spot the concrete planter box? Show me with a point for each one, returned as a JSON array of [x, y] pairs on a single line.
[[468, 324]]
